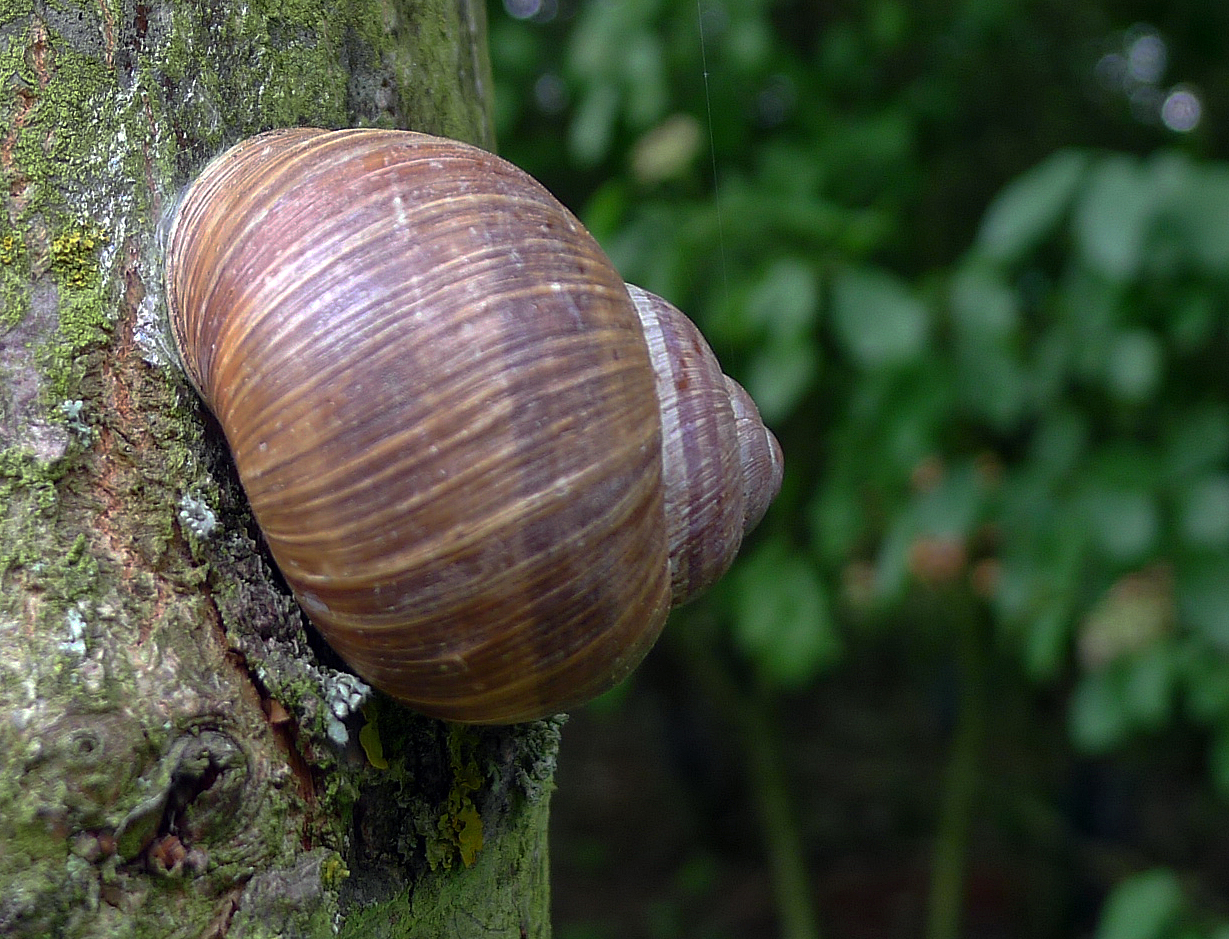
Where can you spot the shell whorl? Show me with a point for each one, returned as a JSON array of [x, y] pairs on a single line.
[[440, 403], [721, 467]]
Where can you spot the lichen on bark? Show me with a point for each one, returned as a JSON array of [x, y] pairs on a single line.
[[170, 757]]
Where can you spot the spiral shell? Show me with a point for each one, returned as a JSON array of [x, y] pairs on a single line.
[[440, 401], [721, 465]]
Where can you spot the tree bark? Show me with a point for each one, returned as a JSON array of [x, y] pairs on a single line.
[[179, 754]]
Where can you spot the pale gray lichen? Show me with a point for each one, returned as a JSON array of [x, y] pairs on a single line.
[[76, 633], [344, 694], [336, 730], [197, 516], [72, 409]]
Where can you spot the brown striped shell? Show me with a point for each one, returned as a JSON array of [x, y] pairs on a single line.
[[441, 404]]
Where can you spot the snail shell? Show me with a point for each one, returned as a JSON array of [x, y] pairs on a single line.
[[443, 404]]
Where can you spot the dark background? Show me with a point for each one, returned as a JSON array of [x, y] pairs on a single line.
[[971, 675]]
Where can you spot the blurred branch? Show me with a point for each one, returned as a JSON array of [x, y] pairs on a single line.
[[780, 823], [960, 783], [750, 716]]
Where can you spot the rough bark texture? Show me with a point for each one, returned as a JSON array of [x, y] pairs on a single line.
[[178, 754]]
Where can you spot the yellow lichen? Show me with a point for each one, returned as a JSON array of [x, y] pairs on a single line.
[[333, 871], [73, 255], [460, 827], [369, 739], [8, 249]]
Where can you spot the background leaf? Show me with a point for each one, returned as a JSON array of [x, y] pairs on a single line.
[[878, 322], [1141, 907], [1031, 207]]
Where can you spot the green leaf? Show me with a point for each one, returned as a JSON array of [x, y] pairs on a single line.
[[667, 150], [1147, 688], [1197, 443], [952, 507], [1204, 519], [1200, 212], [1207, 688], [1218, 761], [892, 563], [781, 617], [1203, 600], [1125, 523], [1133, 365], [592, 128], [1059, 444], [750, 43], [1128, 624], [1098, 718], [1142, 906], [1045, 647], [1192, 320], [785, 300], [1114, 215], [1030, 207], [984, 308], [1091, 309], [647, 94], [780, 375], [993, 386], [837, 519], [878, 322]]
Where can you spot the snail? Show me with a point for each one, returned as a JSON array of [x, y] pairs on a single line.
[[486, 467]]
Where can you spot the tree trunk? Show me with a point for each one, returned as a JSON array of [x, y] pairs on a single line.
[[179, 754]]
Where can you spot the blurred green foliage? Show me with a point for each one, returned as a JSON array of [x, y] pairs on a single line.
[[980, 291]]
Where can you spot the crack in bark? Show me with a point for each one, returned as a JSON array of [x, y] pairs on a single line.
[[108, 33]]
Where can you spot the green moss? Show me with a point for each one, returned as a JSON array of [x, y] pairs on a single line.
[[59, 132], [86, 311], [85, 321], [286, 57], [21, 471], [56, 142], [14, 277], [502, 882], [73, 576], [438, 91], [365, 67], [13, 305], [341, 792], [29, 494], [295, 901]]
